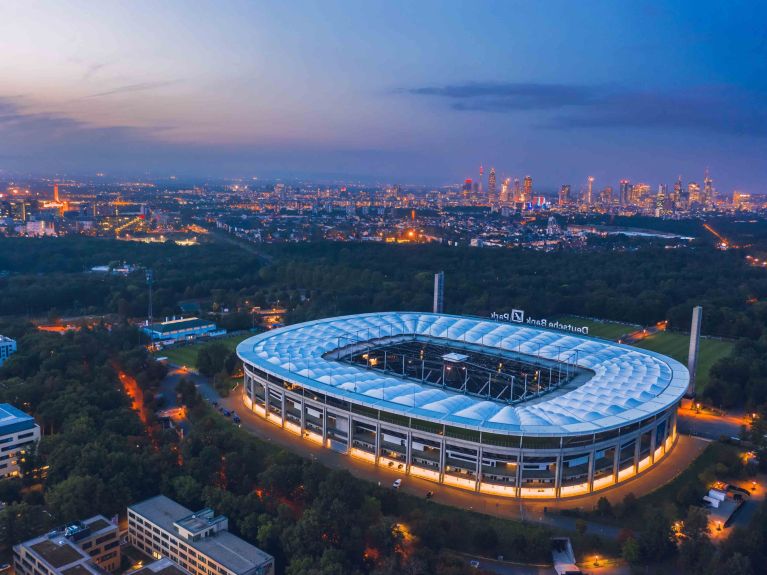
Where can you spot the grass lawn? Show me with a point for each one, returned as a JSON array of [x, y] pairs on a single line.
[[187, 354], [605, 329], [676, 345]]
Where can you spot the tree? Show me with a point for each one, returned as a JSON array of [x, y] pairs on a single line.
[[738, 564], [630, 551], [76, 497], [656, 538], [604, 508]]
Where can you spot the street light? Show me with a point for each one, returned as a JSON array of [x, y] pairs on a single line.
[[596, 560]]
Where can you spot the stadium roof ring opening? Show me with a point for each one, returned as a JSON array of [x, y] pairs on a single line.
[[495, 407]]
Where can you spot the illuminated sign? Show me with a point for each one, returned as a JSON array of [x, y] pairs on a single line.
[[518, 316]]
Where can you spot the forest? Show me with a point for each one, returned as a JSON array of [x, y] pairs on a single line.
[[49, 278]]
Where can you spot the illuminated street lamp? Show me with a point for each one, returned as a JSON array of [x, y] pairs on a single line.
[[596, 560]]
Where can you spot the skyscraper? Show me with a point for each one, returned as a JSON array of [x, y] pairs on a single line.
[[466, 187], [606, 196], [625, 191], [504, 199], [679, 199], [590, 192], [528, 189], [709, 193], [56, 193], [491, 186], [564, 195], [517, 191], [693, 191]]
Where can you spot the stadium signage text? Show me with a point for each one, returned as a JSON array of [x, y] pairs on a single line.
[[518, 316]]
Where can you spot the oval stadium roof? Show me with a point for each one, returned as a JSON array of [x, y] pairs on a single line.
[[628, 384]]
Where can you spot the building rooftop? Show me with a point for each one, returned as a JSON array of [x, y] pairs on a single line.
[[162, 566], [57, 552], [229, 550], [177, 324], [622, 384], [13, 419]]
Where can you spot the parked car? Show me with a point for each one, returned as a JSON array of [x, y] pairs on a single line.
[[397, 483]]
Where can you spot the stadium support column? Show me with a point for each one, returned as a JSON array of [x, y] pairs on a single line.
[[439, 292], [592, 461], [479, 465], [408, 450], [692, 356], [442, 449]]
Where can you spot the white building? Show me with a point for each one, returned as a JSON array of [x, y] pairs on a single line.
[[199, 542], [18, 433], [7, 347]]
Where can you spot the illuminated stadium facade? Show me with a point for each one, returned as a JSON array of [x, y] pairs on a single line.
[[495, 407]]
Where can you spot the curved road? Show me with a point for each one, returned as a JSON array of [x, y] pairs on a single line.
[[687, 449]]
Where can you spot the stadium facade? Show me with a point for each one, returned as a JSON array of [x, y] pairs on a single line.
[[495, 407]]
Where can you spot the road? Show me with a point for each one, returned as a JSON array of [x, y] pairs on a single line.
[[543, 512], [708, 425]]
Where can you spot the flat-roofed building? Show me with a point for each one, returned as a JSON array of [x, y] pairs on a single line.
[[199, 542], [180, 329], [7, 347], [162, 566], [18, 433], [90, 547]]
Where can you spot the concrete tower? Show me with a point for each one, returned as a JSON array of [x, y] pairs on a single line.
[[692, 356], [439, 292]]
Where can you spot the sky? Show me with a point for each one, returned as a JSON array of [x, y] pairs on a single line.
[[391, 91]]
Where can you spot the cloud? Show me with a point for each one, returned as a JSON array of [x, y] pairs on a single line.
[[499, 97], [710, 109], [140, 87]]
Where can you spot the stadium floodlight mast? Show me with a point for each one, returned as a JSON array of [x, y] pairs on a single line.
[[149, 280]]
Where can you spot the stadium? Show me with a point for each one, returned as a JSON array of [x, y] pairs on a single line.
[[495, 407]]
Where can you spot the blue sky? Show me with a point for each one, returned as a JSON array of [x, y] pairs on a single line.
[[415, 92]]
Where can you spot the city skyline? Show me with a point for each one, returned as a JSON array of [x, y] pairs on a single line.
[[418, 94]]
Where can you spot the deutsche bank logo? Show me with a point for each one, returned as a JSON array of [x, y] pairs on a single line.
[[517, 315]]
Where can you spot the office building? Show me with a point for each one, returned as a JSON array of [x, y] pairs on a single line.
[[528, 189], [199, 542], [625, 192], [18, 434], [7, 347], [162, 566], [88, 547], [491, 186]]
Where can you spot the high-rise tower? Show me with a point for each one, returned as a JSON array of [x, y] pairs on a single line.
[[56, 193], [709, 194], [590, 192], [528, 189], [625, 192], [491, 185]]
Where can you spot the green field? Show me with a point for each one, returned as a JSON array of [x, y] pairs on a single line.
[[187, 354], [676, 345], [604, 329]]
